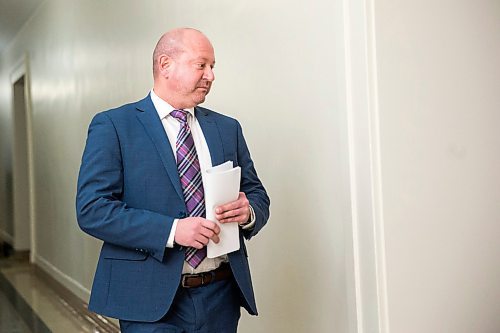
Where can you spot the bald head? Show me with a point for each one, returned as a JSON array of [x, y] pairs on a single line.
[[172, 43], [183, 62]]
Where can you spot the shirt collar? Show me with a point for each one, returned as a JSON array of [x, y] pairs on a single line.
[[163, 108]]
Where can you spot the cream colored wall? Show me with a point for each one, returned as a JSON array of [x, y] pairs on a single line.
[[284, 70], [280, 70], [439, 70]]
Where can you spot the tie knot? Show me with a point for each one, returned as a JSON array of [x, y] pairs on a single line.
[[180, 115]]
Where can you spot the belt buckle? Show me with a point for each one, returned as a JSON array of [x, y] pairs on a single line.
[[187, 276]]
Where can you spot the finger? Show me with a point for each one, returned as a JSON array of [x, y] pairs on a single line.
[[230, 213], [242, 201], [215, 239], [236, 214], [208, 233], [202, 239], [226, 215], [196, 245], [230, 220], [229, 216], [228, 207], [207, 224], [240, 219]]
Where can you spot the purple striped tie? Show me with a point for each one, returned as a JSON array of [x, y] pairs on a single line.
[[191, 182]]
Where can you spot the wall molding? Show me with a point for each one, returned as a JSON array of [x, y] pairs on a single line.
[[365, 169], [6, 237], [77, 306], [19, 69], [68, 282]]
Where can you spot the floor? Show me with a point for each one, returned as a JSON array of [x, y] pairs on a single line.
[[10, 319], [29, 304]]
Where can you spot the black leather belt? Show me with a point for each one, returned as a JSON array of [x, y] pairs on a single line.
[[202, 279]]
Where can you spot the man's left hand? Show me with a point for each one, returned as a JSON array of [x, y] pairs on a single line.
[[235, 211]]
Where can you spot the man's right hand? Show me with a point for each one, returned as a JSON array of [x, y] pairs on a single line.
[[196, 232]]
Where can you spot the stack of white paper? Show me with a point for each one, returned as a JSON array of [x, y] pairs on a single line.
[[222, 185]]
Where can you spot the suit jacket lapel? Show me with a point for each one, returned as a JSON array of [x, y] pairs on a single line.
[[153, 126], [212, 135]]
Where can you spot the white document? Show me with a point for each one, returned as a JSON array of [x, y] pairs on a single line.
[[222, 185]]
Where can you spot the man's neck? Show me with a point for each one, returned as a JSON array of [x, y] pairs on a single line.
[[171, 101]]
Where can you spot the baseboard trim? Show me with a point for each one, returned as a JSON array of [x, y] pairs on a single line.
[[69, 283], [65, 288], [6, 237]]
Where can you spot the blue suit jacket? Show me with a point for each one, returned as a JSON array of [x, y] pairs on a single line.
[[129, 194]]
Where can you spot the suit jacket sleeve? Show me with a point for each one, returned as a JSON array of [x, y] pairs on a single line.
[[100, 210]]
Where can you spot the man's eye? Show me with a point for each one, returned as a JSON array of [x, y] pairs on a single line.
[[201, 66]]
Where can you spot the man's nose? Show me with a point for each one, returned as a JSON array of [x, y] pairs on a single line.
[[209, 74]]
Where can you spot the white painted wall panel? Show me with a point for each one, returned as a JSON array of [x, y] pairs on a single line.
[[280, 70], [439, 70]]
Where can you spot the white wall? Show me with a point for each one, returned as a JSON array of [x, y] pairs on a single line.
[[439, 70], [304, 82], [280, 70]]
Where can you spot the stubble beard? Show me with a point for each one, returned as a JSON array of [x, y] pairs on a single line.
[[200, 93]]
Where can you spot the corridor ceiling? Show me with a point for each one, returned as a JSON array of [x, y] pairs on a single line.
[[13, 15]]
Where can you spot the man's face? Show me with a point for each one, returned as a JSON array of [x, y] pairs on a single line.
[[191, 74]]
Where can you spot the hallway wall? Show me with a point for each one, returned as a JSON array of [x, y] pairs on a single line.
[[280, 72], [439, 101]]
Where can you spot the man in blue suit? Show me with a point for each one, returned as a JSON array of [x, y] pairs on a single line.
[[140, 191]]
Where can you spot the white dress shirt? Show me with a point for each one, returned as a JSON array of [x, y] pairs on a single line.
[[172, 128]]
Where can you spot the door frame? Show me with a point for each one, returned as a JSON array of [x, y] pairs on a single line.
[[20, 69]]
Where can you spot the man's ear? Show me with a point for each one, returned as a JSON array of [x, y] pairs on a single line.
[[164, 65]]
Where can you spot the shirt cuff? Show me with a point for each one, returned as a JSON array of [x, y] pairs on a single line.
[[250, 224], [171, 237]]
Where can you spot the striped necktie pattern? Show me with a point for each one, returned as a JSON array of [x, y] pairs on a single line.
[[188, 166]]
